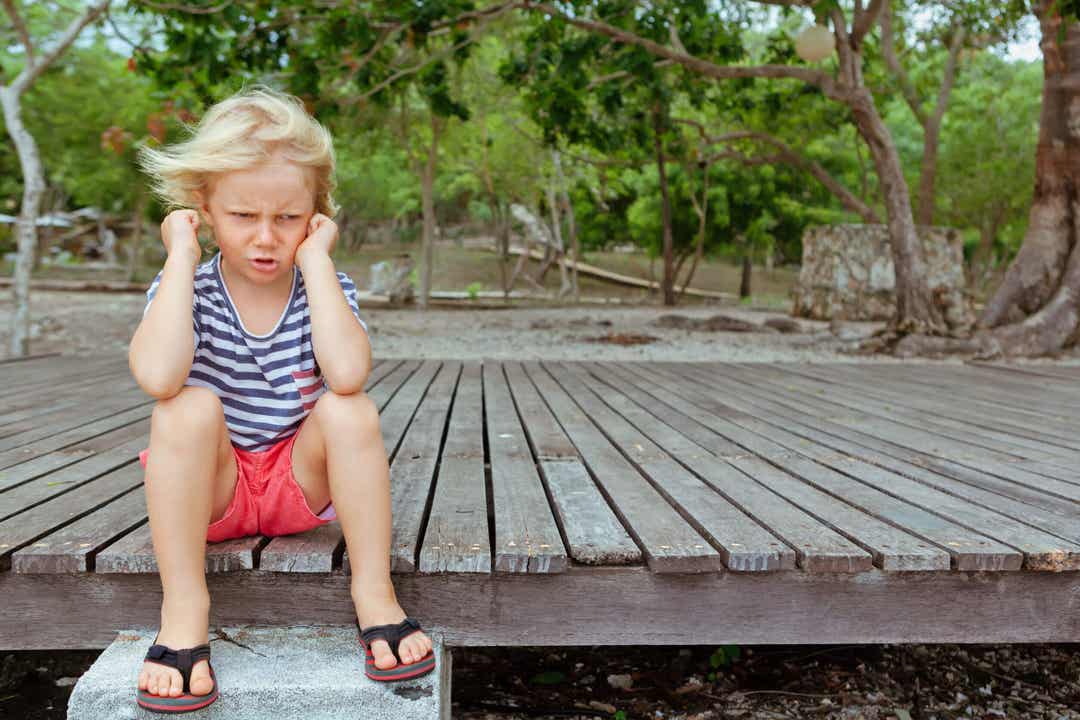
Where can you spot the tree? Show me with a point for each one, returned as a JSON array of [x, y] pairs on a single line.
[[37, 61], [917, 311], [1036, 309]]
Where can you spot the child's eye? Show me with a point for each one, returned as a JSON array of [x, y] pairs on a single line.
[[240, 214]]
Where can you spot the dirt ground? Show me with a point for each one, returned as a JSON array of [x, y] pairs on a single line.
[[869, 682]]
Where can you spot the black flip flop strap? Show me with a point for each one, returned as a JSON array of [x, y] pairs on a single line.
[[182, 660], [392, 634]]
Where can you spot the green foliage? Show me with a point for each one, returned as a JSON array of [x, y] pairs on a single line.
[[724, 656], [548, 677], [473, 289]]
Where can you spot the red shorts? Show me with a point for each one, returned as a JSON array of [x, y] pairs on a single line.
[[267, 501]]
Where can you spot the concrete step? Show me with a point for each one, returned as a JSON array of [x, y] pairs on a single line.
[[308, 672]]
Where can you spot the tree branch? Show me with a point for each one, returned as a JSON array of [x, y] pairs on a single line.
[[191, 10], [787, 155], [865, 19], [34, 69], [888, 49], [703, 67], [20, 28]]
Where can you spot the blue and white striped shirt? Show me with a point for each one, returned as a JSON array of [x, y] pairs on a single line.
[[267, 383]]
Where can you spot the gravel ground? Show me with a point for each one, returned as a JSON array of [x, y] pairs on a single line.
[[78, 323]]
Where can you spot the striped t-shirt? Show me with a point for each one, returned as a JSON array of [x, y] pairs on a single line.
[[267, 383]]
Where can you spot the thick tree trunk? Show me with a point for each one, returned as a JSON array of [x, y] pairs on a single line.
[[428, 192], [668, 283], [25, 227], [1036, 309]]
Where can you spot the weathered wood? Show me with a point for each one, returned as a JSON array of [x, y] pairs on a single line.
[[57, 483], [28, 526], [526, 536], [909, 462], [128, 436], [669, 543], [582, 606], [72, 548], [1041, 550], [592, 531], [412, 466], [39, 428], [456, 538], [744, 544], [817, 547], [892, 548], [134, 553], [983, 459], [71, 437]]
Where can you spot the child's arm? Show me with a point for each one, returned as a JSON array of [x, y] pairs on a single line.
[[339, 342], [163, 347]]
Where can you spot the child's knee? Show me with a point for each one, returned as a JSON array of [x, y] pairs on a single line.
[[192, 410], [356, 410]]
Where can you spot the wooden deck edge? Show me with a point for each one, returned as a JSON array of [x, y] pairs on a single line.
[[609, 606]]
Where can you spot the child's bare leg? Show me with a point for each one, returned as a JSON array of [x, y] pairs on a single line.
[[190, 481], [339, 455]]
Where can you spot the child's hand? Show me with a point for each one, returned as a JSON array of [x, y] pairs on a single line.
[[179, 233], [321, 238]]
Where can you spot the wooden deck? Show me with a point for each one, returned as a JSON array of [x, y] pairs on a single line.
[[599, 503]]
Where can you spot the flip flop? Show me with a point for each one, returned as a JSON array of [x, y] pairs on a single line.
[[182, 660], [393, 634]]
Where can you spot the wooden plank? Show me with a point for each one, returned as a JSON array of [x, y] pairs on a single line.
[[1023, 432], [44, 465], [28, 526], [412, 467], [72, 375], [829, 436], [72, 548], [37, 429], [52, 487], [592, 531], [744, 544], [815, 546], [134, 553], [969, 550], [669, 543], [583, 606], [891, 548], [17, 410], [887, 454], [1041, 550], [456, 539], [526, 536], [27, 358], [983, 459], [67, 438], [1016, 392]]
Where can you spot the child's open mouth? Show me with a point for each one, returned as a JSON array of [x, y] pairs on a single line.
[[264, 265]]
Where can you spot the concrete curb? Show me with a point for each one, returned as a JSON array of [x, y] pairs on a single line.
[[310, 672]]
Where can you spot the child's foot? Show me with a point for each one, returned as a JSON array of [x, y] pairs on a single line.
[[375, 607], [183, 628]]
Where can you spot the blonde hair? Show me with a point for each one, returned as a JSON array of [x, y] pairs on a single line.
[[238, 133]]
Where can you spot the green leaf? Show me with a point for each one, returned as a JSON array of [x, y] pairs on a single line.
[[548, 677]]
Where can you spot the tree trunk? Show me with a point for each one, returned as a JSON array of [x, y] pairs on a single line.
[[744, 281], [916, 311], [572, 226], [668, 283], [26, 224], [1036, 310], [135, 246], [428, 191]]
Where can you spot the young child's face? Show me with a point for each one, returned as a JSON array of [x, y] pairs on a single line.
[[259, 217]]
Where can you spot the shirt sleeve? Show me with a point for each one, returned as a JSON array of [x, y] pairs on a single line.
[[351, 296], [152, 291]]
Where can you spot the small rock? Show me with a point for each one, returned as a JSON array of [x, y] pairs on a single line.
[[602, 707], [784, 325], [66, 681], [622, 682], [587, 680]]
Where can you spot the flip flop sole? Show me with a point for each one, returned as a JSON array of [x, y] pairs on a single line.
[[399, 672], [175, 705]]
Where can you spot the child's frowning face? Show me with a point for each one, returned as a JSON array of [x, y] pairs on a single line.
[[259, 217]]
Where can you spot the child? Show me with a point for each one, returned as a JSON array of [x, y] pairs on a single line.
[[261, 419]]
